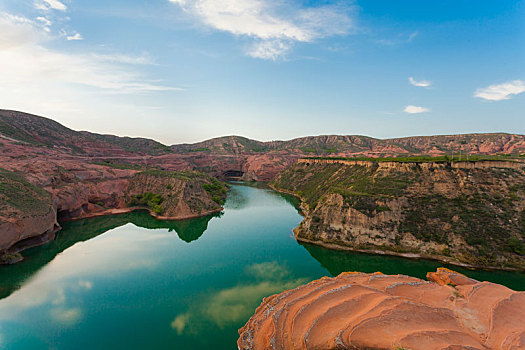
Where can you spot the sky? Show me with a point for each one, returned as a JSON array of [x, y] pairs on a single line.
[[187, 70]]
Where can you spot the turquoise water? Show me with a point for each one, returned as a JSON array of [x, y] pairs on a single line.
[[133, 282]]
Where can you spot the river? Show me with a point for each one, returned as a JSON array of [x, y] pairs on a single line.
[[133, 282]]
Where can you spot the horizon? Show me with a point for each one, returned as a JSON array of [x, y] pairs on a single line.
[[275, 140], [183, 71]]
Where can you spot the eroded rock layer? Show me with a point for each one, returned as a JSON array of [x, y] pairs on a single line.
[[376, 311]]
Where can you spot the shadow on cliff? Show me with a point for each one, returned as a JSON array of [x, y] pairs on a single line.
[[12, 277]]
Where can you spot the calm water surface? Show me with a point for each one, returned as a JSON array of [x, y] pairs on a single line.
[[133, 282]]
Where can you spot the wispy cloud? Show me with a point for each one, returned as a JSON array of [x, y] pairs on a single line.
[[126, 59], [44, 80], [398, 40], [44, 21], [275, 26], [416, 109], [420, 83], [26, 61], [76, 36], [500, 92], [47, 5]]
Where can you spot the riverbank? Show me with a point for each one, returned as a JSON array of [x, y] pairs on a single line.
[[414, 256]]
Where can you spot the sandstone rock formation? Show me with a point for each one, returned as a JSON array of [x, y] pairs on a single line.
[[32, 206], [462, 212], [376, 311]]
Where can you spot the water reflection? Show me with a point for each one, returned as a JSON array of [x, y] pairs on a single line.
[[336, 262], [12, 277], [226, 307]]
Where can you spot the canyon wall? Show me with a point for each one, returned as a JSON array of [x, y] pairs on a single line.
[[468, 213], [33, 203]]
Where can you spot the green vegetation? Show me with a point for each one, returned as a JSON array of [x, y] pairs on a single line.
[[187, 175], [166, 188], [16, 193], [516, 245], [121, 166], [8, 258], [201, 149], [217, 190], [16, 133], [320, 150], [148, 199], [426, 159], [349, 181]]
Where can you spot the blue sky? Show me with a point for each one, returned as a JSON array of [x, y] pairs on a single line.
[[186, 70]]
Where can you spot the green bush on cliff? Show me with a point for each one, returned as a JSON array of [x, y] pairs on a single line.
[[157, 209], [217, 190], [17, 193], [149, 200], [516, 245]]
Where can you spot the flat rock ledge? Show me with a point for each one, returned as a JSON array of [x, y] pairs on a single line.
[[376, 311]]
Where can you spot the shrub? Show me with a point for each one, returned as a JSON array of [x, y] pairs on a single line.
[[148, 199], [217, 191], [157, 209], [516, 245]]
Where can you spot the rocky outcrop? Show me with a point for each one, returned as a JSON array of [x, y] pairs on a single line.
[[32, 206], [180, 195], [26, 211], [470, 213], [375, 311]]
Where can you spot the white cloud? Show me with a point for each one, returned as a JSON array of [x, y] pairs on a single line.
[[17, 31], [400, 39], [65, 316], [500, 92], [27, 63], [269, 49], [44, 21], [415, 109], [47, 5], [127, 59], [76, 36], [70, 87], [421, 83], [274, 25]]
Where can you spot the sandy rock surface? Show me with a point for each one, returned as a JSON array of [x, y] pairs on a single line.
[[376, 311]]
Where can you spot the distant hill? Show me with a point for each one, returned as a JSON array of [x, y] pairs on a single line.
[[355, 144], [39, 131]]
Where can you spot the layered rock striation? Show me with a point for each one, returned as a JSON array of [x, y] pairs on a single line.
[[376, 311], [470, 213]]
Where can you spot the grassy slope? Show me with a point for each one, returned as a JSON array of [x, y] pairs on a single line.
[[20, 198]]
